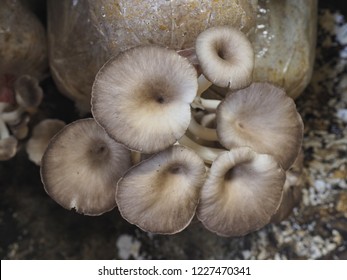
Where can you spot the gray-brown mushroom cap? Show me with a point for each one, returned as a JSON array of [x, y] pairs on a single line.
[[292, 190], [242, 191], [43, 132], [29, 94], [264, 118], [160, 194], [81, 166], [226, 56], [142, 97]]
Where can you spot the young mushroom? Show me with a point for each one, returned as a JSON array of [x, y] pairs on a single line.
[[142, 97], [42, 133], [28, 92], [8, 148], [226, 58], [81, 166], [160, 194], [241, 193], [264, 118]]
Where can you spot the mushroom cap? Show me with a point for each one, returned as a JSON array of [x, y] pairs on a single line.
[[81, 166], [264, 118], [242, 191], [292, 190], [160, 194], [42, 134], [8, 148], [226, 56], [29, 94], [142, 97]]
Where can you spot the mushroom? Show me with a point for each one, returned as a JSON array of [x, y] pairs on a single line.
[[160, 194], [81, 166], [292, 190], [41, 135], [264, 118], [226, 57], [28, 92], [8, 143], [142, 97], [242, 191]]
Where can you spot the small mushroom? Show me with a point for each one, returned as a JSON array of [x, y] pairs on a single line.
[[8, 148], [8, 144], [264, 118], [242, 191], [142, 97], [81, 166], [292, 190], [208, 154], [28, 92], [226, 57], [41, 135], [160, 194]]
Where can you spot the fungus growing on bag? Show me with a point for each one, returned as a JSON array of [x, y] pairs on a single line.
[[149, 100], [17, 102]]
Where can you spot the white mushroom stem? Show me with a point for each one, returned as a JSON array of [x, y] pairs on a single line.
[[4, 133], [206, 153], [202, 132], [209, 105], [203, 84], [202, 103], [208, 119]]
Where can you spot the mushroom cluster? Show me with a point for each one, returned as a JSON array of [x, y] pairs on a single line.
[[19, 99], [162, 150]]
